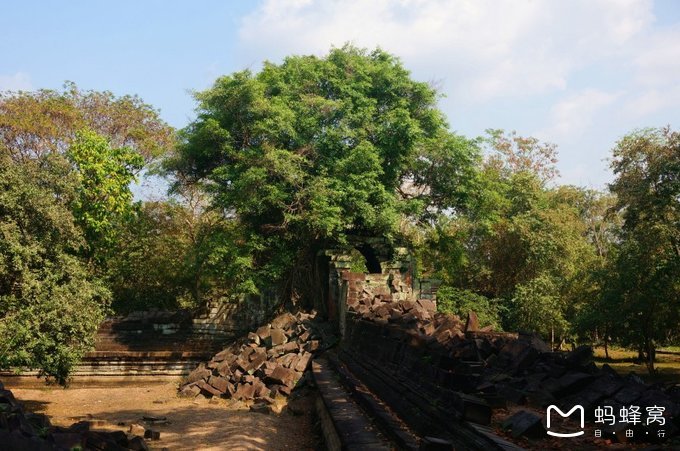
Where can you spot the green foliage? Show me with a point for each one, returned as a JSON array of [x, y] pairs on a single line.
[[642, 288], [172, 256], [520, 240], [34, 124], [461, 302], [358, 262], [104, 198], [67, 159], [50, 306], [309, 152], [537, 307]]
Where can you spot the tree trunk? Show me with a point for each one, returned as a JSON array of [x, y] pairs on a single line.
[[650, 357], [552, 338], [606, 345]]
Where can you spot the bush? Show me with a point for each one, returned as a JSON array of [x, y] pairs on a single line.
[[460, 302]]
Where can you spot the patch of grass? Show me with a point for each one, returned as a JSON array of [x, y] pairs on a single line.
[[623, 361]]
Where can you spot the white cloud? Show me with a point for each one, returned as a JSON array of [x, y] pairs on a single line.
[[484, 48], [656, 65], [582, 72], [20, 81], [575, 113], [653, 100], [658, 58]]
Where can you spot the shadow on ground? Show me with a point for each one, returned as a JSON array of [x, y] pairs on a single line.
[[191, 424]]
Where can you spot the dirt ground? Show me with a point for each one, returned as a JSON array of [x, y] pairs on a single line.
[[192, 425]]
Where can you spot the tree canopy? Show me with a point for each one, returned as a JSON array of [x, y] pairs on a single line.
[[66, 163], [642, 292], [308, 152], [35, 123], [50, 304]]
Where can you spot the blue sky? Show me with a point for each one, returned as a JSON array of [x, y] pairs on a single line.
[[578, 73]]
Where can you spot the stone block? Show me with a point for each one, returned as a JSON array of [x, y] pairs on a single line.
[[263, 332], [286, 359], [254, 338], [207, 389], [580, 356], [244, 392], [628, 394], [283, 376], [200, 373], [427, 304], [303, 362], [525, 424], [283, 321], [189, 391], [278, 337], [223, 369], [219, 383], [312, 345]]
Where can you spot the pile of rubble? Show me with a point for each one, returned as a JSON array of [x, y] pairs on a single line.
[[484, 371], [421, 316], [21, 431], [271, 360]]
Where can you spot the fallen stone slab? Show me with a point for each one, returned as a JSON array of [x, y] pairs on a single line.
[[244, 392], [282, 375], [303, 362], [199, 373], [189, 391], [278, 337], [525, 424], [264, 331], [219, 383], [435, 444], [283, 321]]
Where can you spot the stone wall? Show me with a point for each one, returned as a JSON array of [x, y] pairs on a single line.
[[440, 374], [394, 282], [165, 343], [227, 320]]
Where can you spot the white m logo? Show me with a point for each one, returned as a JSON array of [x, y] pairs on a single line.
[[562, 414]]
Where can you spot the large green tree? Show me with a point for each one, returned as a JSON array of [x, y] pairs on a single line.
[[643, 289], [306, 153], [523, 243], [50, 304], [67, 160]]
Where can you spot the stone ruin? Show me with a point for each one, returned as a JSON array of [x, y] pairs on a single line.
[[431, 367], [269, 362], [453, 381]]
